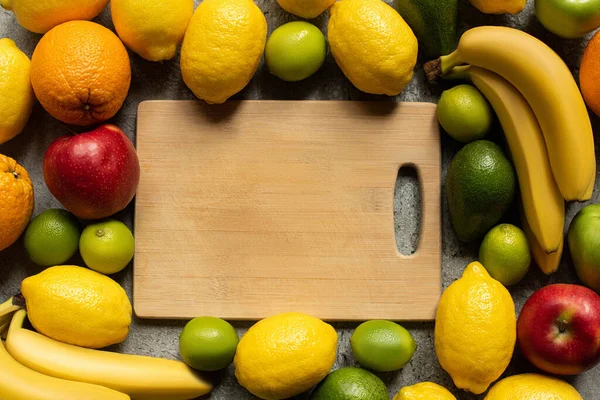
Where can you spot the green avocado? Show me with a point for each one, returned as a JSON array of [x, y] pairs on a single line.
[[480, 187], [434, 22]]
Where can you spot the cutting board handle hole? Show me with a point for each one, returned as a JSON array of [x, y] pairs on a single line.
[[407, 210]]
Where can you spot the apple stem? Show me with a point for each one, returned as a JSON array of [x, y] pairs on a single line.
[[562, 326]]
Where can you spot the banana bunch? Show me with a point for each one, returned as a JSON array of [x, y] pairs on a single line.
[[35, 367], [544, 118]]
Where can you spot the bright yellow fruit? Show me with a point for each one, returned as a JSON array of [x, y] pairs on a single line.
[[499, 6], [373, 45], [77, 306], [424, 391], [222, 48], [16, 93], [532, 387], [285, 355], [475, 329], [41, 16], [152, 28], [306, 8]]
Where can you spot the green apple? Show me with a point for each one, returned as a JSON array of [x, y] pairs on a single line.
[[584, 243], [569, 18]]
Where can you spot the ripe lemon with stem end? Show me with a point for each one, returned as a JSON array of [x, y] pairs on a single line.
[[16, 93], [222, 48], [284, 355], [152, 28], [475, 329]]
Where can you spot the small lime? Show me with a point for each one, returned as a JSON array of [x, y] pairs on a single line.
[[465, 114], [505, 253], [382, 345], [295, 51], [208, 343], [52, 237], [350, 383], [107, 247]]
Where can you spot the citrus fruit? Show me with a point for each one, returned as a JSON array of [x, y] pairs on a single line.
[[532, 386], [80, 73], [306, 8], [41, 16], [295, 51], [222, 48], [373, 45], [584, 244], [465, 114], [505, 254], [499, 6], [284, 355], [475, 329], [350, 383], [52, 237], [424, 391], [152, 28], [382, 345], [16, 94], [107, 247], [16, 201], [77, 306], [589, 74], [208, 343], [480, 187]]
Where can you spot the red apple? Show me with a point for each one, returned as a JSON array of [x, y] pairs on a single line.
[[558, 330], [93, 174]]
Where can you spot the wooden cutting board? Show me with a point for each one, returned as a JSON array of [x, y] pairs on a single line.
[[252, 208]]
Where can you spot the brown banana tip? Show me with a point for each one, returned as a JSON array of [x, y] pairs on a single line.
[[433, 70]]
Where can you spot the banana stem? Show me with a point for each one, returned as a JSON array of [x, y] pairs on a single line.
[[459, 73], [6, 4], [17, 321], [435, 69]]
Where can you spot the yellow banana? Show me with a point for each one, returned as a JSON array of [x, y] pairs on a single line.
[[543, 203], [20, 383], [548, 263], [143, 378], [548, 85]]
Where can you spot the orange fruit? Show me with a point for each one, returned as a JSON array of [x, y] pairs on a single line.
[[16, 201], [80, 73], [589, 74]]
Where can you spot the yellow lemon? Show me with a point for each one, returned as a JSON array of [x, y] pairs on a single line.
[[424, 391], [373, 45], [475, 329], [40, 16], [306, 8], [532, 387], [16, 93], [499, 6], [222, 48], [77, 306], [285, 355], [152, 28]]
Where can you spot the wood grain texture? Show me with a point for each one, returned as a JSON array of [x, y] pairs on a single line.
[[252, 208]]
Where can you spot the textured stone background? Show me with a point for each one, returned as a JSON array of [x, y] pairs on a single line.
[[163, 81]]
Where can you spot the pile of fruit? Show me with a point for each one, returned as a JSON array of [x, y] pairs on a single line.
[[80, 73]]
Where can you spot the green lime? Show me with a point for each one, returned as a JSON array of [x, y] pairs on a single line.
[[350, 383], [295, 51], [52, 237], [465, 114], [107, 247], [382, 345], [505, 253], [208, 343]]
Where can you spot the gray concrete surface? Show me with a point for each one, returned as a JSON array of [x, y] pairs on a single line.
[[163, 81]]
